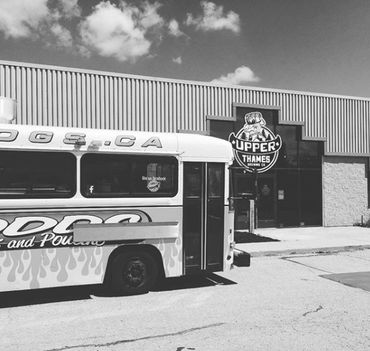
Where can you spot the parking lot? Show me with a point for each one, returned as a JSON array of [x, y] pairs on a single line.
[[279, 303]]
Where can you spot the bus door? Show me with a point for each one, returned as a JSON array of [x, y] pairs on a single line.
[[203, 216]]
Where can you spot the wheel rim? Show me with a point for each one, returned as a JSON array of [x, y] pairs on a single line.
[[135, 273]]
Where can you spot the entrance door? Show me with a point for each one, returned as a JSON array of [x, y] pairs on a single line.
[[244, 189], [203, 216], [266, 204]]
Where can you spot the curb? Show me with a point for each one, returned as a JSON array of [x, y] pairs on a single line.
[[318, 250]]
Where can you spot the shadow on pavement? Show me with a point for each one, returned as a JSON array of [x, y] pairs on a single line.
[[242, 237], [49, 295], [86, 292], [191, 282], [360, 280]]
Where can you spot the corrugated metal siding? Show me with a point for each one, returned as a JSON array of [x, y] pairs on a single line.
[[77, 98]]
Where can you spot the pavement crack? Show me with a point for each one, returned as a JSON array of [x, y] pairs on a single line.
[[113, 343], [314, 311]]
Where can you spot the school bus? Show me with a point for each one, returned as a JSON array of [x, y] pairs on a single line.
[[124, 208]]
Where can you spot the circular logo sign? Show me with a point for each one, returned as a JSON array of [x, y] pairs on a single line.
[[154, 185], [256, 148]]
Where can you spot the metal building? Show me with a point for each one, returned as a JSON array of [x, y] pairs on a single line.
[[320, 177]]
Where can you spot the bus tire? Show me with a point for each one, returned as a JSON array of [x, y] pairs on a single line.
[[133, 272]]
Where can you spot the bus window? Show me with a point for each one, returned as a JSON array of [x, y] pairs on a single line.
[[104, 175], [31, 174]]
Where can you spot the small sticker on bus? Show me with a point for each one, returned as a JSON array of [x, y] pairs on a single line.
[[154, 185]]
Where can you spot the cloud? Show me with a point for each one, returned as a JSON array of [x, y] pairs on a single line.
[[68, 8], [21, 18], [120, 31], [38, 20], [214, 19], [148, 17], [174, 29], [62, 34], [240, 76], [177, 60]]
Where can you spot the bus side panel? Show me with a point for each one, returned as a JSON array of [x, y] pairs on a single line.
[[53, 267], [171, 252], [37, 249], [171, 249]]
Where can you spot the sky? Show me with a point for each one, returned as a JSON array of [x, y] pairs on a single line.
[[306, 45]]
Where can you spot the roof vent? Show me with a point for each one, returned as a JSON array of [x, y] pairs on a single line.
[[8, 109]]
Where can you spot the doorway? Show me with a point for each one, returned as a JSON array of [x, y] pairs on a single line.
[[266, 200], [203, 216], [244, 188]]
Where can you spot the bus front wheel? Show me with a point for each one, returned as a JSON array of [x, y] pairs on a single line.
[[133, 273]]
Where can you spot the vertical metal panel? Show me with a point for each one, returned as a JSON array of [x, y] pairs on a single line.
[[111, 103], [104, 108], [93, 100], [154, 108], [141, 100], [59, 98], [86, 112], [133, 114], [121, 100], [179, 105], [170, 123], [39, 110], [128, 112], [7, 81], [18, 87], [66, 97], [2, 80], [194, 109], [149, 105], [115, 116], [161, 106]]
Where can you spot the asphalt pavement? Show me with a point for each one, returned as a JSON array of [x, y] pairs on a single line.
[[279, 303]]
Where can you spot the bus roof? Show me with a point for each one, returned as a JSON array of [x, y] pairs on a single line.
[[79, 140]]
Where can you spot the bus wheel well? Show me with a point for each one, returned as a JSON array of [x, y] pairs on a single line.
[[150, 249]]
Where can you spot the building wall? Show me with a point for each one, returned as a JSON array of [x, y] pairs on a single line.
[[59, 96], [345, 197]]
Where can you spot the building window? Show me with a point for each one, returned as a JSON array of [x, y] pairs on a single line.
[[309, 154], [107, 175], [288, 155], [41, 175], [221, 129]]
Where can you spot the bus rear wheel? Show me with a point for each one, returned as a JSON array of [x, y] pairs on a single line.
[[133, 273]]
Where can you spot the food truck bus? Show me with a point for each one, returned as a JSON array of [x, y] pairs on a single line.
[[124, 208]]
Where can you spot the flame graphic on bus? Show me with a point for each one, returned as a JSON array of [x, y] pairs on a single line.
[[64, 263], [56, 265], [74, 265]]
